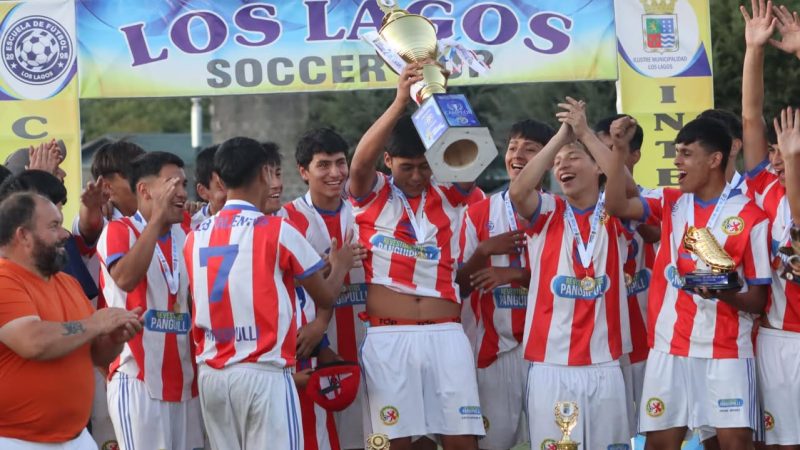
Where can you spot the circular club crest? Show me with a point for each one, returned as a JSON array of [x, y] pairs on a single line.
[[36, 50], [655, 407], [389, 415], [548, 444], [110, 445], [769, 421], [733, 225]]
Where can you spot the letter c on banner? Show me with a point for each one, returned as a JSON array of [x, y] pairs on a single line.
[[20, 127]]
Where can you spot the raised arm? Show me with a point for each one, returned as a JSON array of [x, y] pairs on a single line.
[[619, 199], [90, 217], [757, 32], [371, 146], [789, 28], [788, 131], [522, 190]]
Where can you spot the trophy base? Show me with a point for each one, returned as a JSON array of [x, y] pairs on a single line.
[[712, 281], [567, 445], [457, 147]]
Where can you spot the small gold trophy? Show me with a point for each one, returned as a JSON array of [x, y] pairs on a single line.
[[458, 147], [378, 441], [566, 419], [791, 252], [722, 275]]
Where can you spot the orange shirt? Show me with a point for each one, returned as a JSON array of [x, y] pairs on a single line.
[[43, 401]]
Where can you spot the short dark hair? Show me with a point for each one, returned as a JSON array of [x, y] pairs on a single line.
[[404, 142], [604, 126], [115, 157], [532, 130], [711, 134], [273, 150], [43, 183], [16, 211], [4, 173], [239, 160], [320, 140], [731, 120], [150, 164], [204, 165]]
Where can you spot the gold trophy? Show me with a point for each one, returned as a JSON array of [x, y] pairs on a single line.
[[457, 147], [791, 270], [378, 441], [722, 275], [566, 419]]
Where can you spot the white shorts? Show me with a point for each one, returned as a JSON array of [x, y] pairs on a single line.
[[778, 365], [634, 379], [84, 441], [142, 422], [250, 406], [698, 393], [420, 380], [599, 391], [502, 388], [102, 428], [350, 422]]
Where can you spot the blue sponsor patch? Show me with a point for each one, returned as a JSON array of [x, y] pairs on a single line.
[[227, 334], [510, 298], [353, 294], [470, 410], [398, 247], [571, 287], [730, 403], [167, 322], [675, 278], [639, 283]]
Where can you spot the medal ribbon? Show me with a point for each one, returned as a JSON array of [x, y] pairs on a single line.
[[712, 221], [585, 251], [511, 215], [418, 224], [172, 276]]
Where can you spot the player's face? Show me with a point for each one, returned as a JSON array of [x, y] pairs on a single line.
[[411, 175], [776, 161], [694, 164], [520, 150], [273, 202], [575, 171], [160, 184], [120, 193], [48, 237], [326, 174]]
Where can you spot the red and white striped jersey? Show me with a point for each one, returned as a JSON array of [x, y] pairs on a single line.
[[161, 355], [638, 273], [345, 331], [575, 316], [242, 269], [398, 257], [783, 308], [501, 311], [684, 324], [202, 214]]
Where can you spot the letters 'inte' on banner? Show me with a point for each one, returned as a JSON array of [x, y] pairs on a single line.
[[39, 84], [665, 78], [151, 48]]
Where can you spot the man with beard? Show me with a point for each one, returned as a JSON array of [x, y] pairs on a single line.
[[50, 336]]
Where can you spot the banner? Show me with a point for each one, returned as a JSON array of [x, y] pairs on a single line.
[[38, 83], [665, 77], [203, 47]]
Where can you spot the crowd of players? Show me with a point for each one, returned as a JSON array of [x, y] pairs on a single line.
[[468, 315]]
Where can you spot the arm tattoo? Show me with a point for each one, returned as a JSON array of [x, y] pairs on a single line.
[[71, 328]]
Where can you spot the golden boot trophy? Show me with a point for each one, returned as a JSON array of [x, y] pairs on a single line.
[[457, 147], [566, 419], [722, 275]]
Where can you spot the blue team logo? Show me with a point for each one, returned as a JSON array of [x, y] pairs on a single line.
[[510, 298], [353, 294], [398, 247], [584, 289], [637, 283], [36, 50], [167, 322], [675, 278]]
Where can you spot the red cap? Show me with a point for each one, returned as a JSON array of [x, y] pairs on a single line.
[[334, 386]]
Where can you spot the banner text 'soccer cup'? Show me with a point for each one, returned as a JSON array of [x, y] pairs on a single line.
[[203, 47]]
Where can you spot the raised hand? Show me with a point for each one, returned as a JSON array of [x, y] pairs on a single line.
[[574, 115], [411, 74], [758, 28], [621, 132], [45, 156], [164, 201], [789, 28], [94, 197], [788, 132]]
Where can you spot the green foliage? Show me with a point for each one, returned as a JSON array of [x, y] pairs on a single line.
[[140, 115]]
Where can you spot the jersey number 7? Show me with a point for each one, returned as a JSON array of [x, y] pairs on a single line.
[[228, 254]]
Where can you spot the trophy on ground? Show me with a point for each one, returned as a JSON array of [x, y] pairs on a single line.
[[722, 276], [378, 441], [791, 257], [458, 148], [566, 419]]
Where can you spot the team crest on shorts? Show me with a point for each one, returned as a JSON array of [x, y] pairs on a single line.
[[769, 421], [389, 415], [655, 407], [733, 225], [548, 444], [486, 423], [109, 445]]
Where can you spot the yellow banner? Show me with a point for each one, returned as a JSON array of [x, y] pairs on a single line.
[[665, 78], [38, 84]]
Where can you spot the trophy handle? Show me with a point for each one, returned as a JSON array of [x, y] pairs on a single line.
[[387, 6]]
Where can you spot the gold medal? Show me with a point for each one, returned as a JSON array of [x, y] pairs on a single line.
[[176, 308], [588, 284], [628, 280], [378, 441]]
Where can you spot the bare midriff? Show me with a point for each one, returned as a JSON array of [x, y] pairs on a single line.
[[383, 302]]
